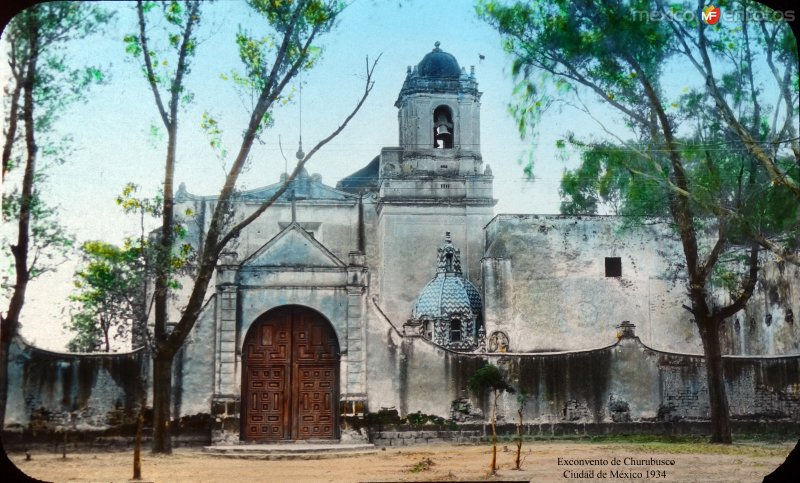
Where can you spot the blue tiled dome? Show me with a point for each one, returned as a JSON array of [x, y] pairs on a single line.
[[448, 294]]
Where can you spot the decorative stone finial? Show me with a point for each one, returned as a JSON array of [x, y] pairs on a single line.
[[449, 256], [626, 330], [300, 154], [436, 46]]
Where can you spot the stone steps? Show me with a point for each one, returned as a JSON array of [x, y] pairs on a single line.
[[288, 451]]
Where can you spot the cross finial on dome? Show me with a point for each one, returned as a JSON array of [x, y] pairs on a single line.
[[436, 45]]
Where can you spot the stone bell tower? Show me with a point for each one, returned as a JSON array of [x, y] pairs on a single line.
[[434, 181], [439, 106]]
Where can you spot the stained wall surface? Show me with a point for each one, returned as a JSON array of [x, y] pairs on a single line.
[[546, 287]]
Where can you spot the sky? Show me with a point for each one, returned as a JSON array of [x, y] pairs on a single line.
[[113, 142]]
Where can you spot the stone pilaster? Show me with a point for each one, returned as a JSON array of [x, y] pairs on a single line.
[[355, 358], [226, 359]]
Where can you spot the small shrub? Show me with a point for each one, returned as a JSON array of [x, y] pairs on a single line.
[[423, 465]]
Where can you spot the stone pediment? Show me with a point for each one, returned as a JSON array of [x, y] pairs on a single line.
[[293, 247]]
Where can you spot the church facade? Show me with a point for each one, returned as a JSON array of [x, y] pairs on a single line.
[[388, 290], [330, 299]]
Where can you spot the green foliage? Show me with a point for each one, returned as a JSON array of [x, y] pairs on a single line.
[[167, 44], [390, 417], [489, 378], [423, 465], [286, 42], [38, 41], [130, 203], [110, 294], [420, 418], [522, 399], [180, 258], [543, 36], [618, 53], [48, 238], [88, 333], [57, 83], [211, 127], [112, 284]]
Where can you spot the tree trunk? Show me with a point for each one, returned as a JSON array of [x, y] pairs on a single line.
[[715, 378], [9, 324], [6, 335], [519, 440], [162, 398], [137, 442], [106, 327], [13, 117], [493, 466]]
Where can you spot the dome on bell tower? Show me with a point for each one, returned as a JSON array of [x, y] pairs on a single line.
[[438, 73], [438, 64]]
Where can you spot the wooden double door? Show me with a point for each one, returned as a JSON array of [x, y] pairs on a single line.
[[290, 377]]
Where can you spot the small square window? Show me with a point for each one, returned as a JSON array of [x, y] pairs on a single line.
[[613, 267]]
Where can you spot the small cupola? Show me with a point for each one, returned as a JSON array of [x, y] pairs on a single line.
[[449, 308]]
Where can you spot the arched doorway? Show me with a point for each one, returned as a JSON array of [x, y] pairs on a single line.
[[290, 377]]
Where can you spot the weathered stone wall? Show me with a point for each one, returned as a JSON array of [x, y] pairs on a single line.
[[631, 382], [411, 374], [424, 435], [50, 391], [408, 239], [546, 287], [624, 382], [613, 387], [193, 368], [482, 433]]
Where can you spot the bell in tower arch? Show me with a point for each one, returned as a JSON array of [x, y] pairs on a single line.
[[442, 128]]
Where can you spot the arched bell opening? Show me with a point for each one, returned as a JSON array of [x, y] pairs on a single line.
[[443, 128], [290, 377]]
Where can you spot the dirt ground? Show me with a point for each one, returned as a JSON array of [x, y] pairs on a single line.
[[543, 462]]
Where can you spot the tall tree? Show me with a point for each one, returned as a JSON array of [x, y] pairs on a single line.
[[667, 155], [489, 378], [271, 60], [109, 296], [40, 88]]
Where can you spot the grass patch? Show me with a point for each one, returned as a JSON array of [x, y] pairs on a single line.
[[423, 465], [646, 438], [754, 446]]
